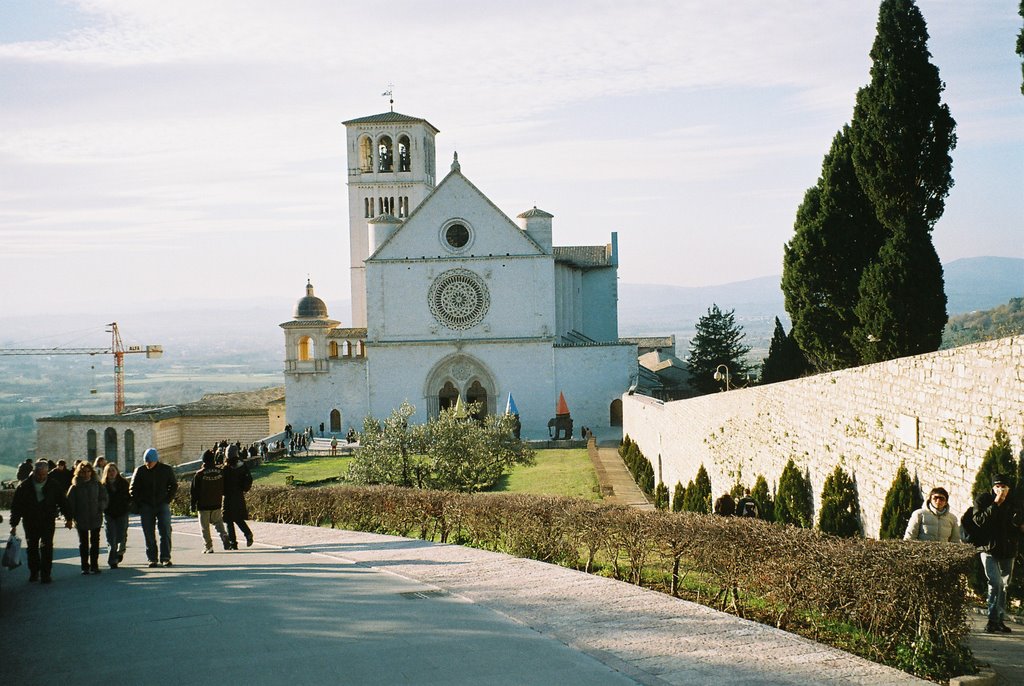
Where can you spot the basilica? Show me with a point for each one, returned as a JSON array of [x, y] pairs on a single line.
[[451, 298]]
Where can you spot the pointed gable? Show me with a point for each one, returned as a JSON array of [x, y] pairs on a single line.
[[456, 220]]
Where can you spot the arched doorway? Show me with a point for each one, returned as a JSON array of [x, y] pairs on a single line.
[[129, 451], [110, 444], [477, 394], [615, 413], [90, 445], [459, 375], [335, 421]]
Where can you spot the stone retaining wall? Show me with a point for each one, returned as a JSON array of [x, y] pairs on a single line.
[[937, 412]]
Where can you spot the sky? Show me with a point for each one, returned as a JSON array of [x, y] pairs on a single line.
[[155, 152]]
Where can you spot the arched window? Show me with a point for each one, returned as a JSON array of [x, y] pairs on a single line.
[[346, 349], [110, 444], [615, 413], [334, 348], [404, 163], [477, 394], [335, 421], [367, 207], [129, 451], [306, 349], [385, 154], [90, 445], [447, 396], [365, 154]]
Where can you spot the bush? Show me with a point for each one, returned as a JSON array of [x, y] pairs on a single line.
[[678, 493], [998, 459], [794, 503], [840, 506], [661, 496], [698, 493], [763, 497], [902, 498]]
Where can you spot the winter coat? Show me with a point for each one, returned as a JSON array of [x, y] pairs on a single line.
[[208, 489], [86, 502], [118, 497], [34, 513], [235, 479], [999, 524], [154, 486], [929, 524]]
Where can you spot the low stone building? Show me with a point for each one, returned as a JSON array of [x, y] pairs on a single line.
[[179, 432]]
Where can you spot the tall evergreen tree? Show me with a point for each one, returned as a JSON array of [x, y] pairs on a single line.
[[717, 341], [902, 498], [785, 360], [678, 493], [998, 459], [763, 497], [836, 236], [840, 505], [794, 503], [902, 135], [698, 493]]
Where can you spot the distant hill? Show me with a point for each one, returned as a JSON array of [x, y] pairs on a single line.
[[982, 283], [985, 325]]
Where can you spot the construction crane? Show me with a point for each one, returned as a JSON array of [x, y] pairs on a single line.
[[116, 349]]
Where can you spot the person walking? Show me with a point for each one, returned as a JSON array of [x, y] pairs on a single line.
[[61, 475], [87, 499], [934, 521], [36, 503], [25, 470], [152, 488], [116, 516], [237, 481], [1000, 520], [207, 495]]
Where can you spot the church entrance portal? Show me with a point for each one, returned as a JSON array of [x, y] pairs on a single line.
[[459, 375]]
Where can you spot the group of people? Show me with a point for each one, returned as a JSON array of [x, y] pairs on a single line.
[[94, 494]]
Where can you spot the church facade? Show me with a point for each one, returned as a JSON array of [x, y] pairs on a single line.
[[452, 298]]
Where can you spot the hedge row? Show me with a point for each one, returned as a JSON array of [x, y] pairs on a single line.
[[904, 602]]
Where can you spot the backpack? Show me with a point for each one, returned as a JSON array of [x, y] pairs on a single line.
[[970, 532]]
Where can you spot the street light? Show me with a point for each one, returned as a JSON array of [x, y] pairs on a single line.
[[719, 376]]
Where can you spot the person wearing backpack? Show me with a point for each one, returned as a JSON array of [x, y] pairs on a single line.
[[237, 482], [1000, 523], [746, 506], [934, 521]]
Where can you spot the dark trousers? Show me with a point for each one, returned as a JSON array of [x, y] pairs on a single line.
[[89, 548], [39, 541], [242, 526]]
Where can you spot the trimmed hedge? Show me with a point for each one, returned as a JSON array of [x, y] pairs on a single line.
[[904, 602]]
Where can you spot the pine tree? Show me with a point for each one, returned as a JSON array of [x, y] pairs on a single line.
[[785, 360], [698, 493], [902, 498], [661, 496], [678, 494], [836, 236], [763, 497], [794, 503], [840, 505], [998, 459], [902, 135], [718, 341]]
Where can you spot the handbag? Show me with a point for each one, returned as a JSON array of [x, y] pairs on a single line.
[[12, 553]]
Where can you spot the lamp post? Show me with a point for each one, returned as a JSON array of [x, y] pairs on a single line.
[[719, 376]]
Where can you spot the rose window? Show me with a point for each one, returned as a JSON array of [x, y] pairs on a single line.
[[459, 299]]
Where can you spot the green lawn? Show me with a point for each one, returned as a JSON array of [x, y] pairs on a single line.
[[556, 472]]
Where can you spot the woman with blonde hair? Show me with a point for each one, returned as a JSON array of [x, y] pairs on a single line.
[[116, 516], [86, 501]]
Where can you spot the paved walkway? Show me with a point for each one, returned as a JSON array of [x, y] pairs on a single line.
[[617, 484], [1002, 653], [312, 606]]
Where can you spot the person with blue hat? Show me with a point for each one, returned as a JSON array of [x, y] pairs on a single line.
[[153, 487]]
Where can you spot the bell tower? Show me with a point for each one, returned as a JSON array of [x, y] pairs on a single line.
[[391, 169]]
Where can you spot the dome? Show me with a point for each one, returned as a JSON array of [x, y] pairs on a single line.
[[310, 307]]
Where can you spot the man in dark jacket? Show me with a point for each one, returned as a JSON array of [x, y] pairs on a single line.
[[999, 518], [24, 470], [36, 503], [153, 487], [207, 498], [61, 475]]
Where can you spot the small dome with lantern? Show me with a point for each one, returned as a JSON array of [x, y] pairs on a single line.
[[310, 307]]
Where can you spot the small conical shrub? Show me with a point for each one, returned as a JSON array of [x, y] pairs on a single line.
[[678, 493], [900, 501], [763, 497], [998, 459], [840, 505], [794, 503], [698, 497], [661, 496]]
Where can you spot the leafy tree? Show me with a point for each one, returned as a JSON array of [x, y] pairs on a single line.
[[998, 459], [717, 341], [785, 359], [836, 236], [661, 496], [1020, 46], [763, 497], [678, 493], [794, 503], [840, 505], [902, 136], [698, 493], [902, 498], [388, 452]]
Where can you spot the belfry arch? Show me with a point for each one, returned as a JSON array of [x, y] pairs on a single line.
[[459, 375]]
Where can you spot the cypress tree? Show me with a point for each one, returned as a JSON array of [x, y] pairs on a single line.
[[698, 493], [836, 236], [902, 135], [678, 494], [688, 502], [840, 505], [794, 503], [785, 360], [718, 340], [998, 459], [763, 497], [902, 498], [661, 496]]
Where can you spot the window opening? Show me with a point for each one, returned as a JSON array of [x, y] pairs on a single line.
[[365, 154], [305, 349], [447, 396], [385, 154], [404, 163]]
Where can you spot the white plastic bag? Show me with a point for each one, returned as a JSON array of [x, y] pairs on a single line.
[[12, 553]]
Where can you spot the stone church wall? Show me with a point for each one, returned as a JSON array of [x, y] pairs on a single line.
[[937, 412]]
